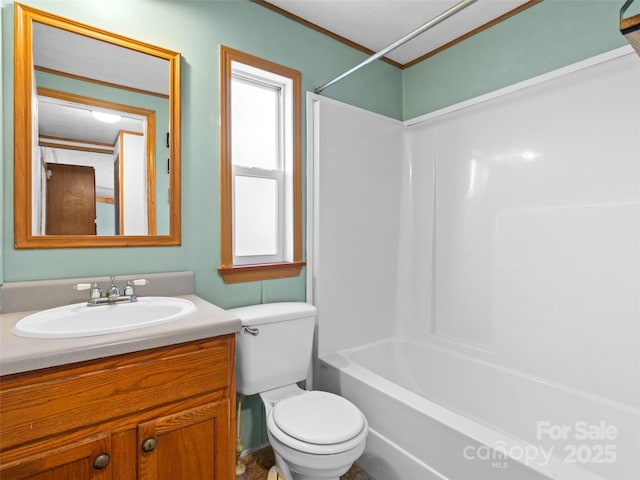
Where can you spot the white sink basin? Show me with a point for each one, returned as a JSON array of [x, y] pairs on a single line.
[[80, 320]]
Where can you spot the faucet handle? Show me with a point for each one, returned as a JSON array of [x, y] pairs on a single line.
[[128, 288], [95, 289]]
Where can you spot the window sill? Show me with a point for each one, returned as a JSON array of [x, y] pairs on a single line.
[[268, 271]]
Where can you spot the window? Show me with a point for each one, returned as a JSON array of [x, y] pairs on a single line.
[[260, 169]]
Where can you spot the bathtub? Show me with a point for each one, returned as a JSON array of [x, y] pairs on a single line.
[[435, 413]]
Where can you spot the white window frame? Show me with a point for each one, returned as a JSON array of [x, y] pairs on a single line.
[[283, 85], [278, 176]]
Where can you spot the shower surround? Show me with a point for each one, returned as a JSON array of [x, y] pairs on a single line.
[[503, 234]]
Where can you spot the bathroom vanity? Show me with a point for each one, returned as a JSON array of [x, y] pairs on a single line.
[[152, 403]]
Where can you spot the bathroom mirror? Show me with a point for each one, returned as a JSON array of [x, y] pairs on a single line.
[[96, 137]]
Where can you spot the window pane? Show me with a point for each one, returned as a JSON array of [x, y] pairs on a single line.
[[254, 124], [255, 216]]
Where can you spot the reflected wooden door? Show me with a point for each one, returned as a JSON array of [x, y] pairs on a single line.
[[71, 200]]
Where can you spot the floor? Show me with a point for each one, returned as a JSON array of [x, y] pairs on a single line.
[[259, 462]]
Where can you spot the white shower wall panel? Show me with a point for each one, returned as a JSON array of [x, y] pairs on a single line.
[[537, 227], [415, 292], [569, 299], [357, 192]]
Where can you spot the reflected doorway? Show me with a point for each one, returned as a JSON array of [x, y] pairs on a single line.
[[71, 200]]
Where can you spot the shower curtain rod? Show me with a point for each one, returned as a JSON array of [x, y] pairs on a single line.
[[444, 15]]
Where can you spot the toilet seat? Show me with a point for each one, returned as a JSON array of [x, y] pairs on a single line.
[[317, 422], [318, 417]]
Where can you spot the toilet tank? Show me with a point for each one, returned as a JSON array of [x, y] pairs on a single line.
[[273, 349]]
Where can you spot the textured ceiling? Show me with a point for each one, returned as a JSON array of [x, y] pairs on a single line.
[[64, 51], [376, 24], [59, 50]]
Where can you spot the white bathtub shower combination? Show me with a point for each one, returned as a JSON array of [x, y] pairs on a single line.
[[477, 275], [437, 414]]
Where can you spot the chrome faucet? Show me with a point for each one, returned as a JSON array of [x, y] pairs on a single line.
[[113, 292]]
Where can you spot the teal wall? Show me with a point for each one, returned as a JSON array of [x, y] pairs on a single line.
[[196, 29], [547, 36]]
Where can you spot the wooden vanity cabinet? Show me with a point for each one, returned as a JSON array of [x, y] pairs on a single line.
[[166, 413]]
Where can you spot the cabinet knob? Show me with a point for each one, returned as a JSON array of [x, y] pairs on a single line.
[[101, 461], [150, 444]]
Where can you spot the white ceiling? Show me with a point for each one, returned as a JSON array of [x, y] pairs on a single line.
[[68, 52], [62, 119], [376, 24]]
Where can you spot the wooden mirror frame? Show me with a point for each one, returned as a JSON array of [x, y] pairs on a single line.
[[23, 66]]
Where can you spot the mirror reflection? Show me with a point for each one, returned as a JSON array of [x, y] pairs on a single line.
[[101, 156]]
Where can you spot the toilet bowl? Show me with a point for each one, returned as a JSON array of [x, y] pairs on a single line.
[[314, 434]]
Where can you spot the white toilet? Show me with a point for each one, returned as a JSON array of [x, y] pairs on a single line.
[[314, 435]]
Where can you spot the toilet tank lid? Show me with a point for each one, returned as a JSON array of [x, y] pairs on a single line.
[[273, 312]]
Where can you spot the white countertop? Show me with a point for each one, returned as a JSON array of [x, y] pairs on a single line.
[[20, 354]]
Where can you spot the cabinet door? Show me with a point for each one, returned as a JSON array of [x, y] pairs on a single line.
[[86, 459], [192, 444]]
